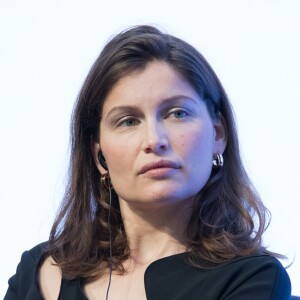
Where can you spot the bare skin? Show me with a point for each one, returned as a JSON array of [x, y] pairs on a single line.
[[49, 279]]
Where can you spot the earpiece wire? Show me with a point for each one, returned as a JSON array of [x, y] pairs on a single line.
[[110, 246]]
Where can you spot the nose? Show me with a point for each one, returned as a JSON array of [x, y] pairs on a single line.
[[155, 138]]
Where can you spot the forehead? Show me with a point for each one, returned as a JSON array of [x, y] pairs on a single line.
[[157, 81]]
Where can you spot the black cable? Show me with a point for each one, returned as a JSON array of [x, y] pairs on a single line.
[[110, 246]]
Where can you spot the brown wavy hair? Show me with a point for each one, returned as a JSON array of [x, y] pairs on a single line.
[[228, 218]]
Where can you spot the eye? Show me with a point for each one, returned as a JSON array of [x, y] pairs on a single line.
[[179, 113], [128, 122]]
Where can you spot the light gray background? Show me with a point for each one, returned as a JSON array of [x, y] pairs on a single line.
[[46, 50]]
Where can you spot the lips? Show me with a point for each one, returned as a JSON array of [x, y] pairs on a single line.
[[159, 165]]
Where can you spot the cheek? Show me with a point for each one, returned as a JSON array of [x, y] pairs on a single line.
[[197, 149], [199, 141], [117, 152]]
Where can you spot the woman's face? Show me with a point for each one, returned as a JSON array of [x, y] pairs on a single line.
[[157, 137]]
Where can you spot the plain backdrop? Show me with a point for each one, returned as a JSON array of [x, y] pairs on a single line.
[[46, 50]]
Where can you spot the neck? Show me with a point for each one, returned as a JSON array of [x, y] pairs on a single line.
[[155, 232]]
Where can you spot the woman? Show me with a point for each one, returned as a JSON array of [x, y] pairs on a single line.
[[158, 204]]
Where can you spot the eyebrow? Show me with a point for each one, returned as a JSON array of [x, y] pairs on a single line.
[[164, 102]]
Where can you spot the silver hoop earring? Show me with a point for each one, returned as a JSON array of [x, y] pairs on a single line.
[[218, 161], [105, 181]]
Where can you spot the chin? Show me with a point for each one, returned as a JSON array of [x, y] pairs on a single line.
[[166, 197]]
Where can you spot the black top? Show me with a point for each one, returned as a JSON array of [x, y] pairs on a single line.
[[258, 277]]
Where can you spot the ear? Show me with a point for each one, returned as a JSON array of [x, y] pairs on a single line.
[[95, 147], [221, 135]]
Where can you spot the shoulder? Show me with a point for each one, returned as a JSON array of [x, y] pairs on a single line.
[[24, 283], [257, 261], [259, 264], [32, 257], [258, 276]]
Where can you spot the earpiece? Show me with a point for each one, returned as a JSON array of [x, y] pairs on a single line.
[[102, 161]]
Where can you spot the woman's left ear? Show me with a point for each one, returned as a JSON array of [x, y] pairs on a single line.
[[221, 135]]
